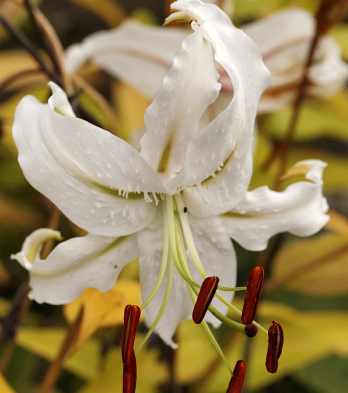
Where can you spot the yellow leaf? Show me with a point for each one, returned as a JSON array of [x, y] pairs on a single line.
[[318, 118], [334, 176], [4, 306], [195, 352], [102, 309], [46, 342], [85, 363], [313, 266], [338, 223], [340, 34], [150, 372], [131, 107], [108, 10], [14, 213], [18, 60], [7, 110], [4, 386], [309, 337]]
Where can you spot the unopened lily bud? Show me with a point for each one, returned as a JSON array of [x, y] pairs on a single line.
[[252, 295], [275, 346], [131, 322], [204, 299], [237, 380]]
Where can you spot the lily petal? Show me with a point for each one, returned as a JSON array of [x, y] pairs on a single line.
[[150, 244], [218, 258], [300, 210], [227, 142], [330, 74], [172, 120], [284, 39], [136, 53], [74, 265], [84, 170]]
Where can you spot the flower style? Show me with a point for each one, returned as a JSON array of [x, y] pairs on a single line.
[[175, 204], [141, 55]]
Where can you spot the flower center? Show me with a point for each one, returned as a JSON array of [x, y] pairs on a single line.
[[177, 238]]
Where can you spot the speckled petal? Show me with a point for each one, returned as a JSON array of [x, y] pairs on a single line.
[[217, 255], [223, 148], [74, 265], [150, 243], [172, 120], [136, 53], [300, 210], [86, 171]]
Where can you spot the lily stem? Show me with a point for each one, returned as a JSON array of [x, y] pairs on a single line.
[[23, 41], [282, 148], [55, 368]]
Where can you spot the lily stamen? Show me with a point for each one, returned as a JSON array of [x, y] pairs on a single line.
[[275, 346], [131, 322], [204, 298], [252, 295], [237, 380]]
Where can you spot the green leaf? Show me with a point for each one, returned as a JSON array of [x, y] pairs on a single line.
[[313, 266], [326, 376], [318, 118]]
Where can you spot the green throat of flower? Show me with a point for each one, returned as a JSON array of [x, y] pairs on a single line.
[[177, 238]]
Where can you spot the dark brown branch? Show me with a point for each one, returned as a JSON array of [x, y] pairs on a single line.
[[23, 41]]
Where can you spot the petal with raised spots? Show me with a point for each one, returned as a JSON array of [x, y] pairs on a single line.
[[218, 258], [221, 153], [84, 262], [172, 120], [300, 210], [96, 179]]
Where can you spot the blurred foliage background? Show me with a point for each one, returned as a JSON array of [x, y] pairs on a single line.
[[306, 285]]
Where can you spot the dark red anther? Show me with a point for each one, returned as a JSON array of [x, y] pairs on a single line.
[[130, 374], [205, 297], [131, 322], [275, 346], [237, 380], [253, 293]]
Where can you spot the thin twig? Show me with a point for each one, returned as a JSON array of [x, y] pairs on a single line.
[[55, 368], [12, 78], [23, 41], [282, 148], [52, 224], [11, 322]]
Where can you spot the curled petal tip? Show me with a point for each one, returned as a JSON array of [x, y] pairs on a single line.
[[275, 346], [177, 17], [237, 380], [204, 299], [253, 293]]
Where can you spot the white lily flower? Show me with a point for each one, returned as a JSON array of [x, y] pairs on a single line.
[[140, 55], [177, 201]]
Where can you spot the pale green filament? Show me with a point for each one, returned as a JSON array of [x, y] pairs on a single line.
[[163, 305], [210, 335], [195, 257], [165, 254]]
